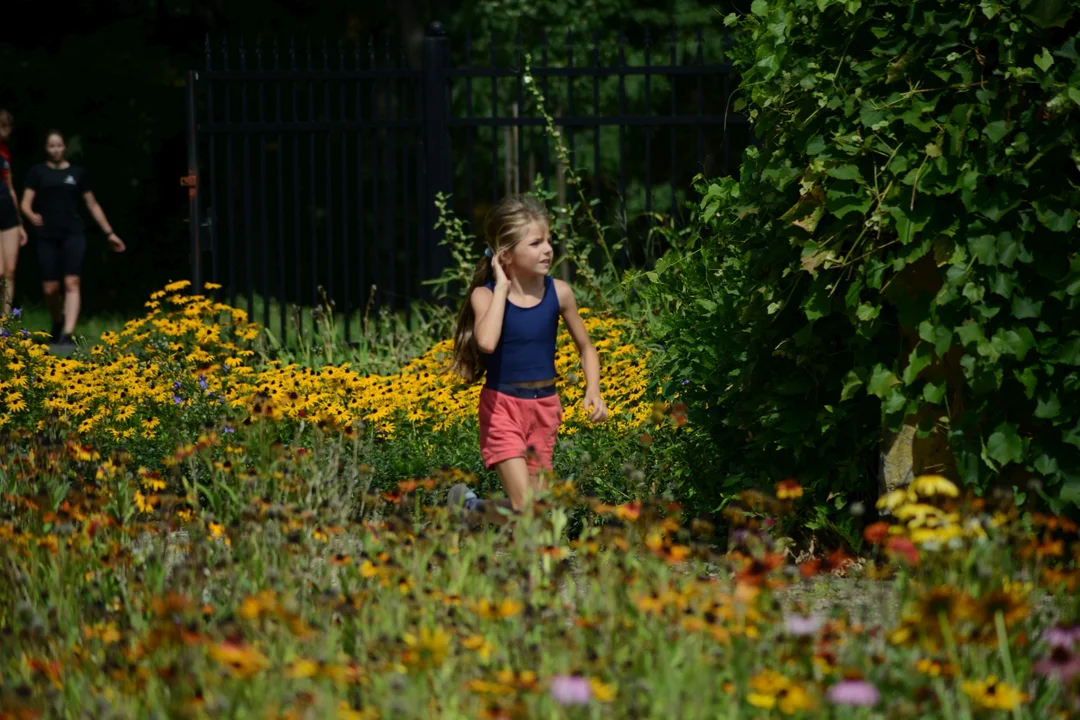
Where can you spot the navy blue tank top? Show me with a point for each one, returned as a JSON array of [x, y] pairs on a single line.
[[526, 349]]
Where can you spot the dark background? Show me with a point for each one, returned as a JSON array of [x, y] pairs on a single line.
[[110, 75]]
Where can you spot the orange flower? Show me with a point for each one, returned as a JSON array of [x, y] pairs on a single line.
[[788, 489]]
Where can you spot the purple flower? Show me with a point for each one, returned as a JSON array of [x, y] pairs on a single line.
[[685, 382], [229, 429], [225, 367], [570, 690], [4, 333], [16, 313], [802, 626], [202, 382], [178, 400], [25, 333], [1060, 663], [854, 692], [176, 385], [1062, 637]]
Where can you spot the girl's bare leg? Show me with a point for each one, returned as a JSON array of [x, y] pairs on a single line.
[[9, 257]]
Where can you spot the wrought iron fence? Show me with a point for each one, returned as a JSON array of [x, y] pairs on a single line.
[[313, 167]]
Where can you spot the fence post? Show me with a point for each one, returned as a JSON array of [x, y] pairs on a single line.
[[436, 136], [191, 182]]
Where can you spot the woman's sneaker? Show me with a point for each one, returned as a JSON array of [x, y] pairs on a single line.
[[461, 499]]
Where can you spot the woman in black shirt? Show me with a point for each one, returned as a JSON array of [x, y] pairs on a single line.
[[12, 233], [51, 203]]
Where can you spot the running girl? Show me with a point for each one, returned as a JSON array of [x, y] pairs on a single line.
[[12, 233], [507, 329], [51, 203]]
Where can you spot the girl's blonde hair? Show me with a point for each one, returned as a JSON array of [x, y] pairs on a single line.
[[505, 227]]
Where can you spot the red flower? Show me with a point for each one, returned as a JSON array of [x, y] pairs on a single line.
[[905, 548], [877, 533]]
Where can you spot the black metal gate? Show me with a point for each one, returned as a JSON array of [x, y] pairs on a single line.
[[313, 168]]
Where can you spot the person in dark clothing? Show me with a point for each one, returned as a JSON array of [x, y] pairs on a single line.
[[12, 233], [51, 204]]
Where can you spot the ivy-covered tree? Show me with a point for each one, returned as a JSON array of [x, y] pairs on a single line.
[[900, 250]]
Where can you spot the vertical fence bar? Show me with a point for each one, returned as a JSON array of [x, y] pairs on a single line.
[[390, 166], [245, 118], [376, 234], [545, 167], [726, 152], [622, 136], [648, 128], [312, 212], [327, 174], [264, 245], [412, 275], [436, 131], [213, 205], [596, 113], [230, 183], [361, 248], [344, 115], [470, 135], [494, 129], [520, 149], [700, 103], [297, 208], [194, 221], [280, 152], [673, 180]]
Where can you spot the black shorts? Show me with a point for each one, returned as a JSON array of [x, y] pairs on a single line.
[[60, 257], [9, 216]]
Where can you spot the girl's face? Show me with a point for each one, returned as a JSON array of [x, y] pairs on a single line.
[[5, 131], [55, 148], [533, 253]]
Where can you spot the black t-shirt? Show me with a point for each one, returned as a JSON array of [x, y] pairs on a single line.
[[57, 196]]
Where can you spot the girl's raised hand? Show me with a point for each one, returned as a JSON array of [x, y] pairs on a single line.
[[501, 278], [595, 407]]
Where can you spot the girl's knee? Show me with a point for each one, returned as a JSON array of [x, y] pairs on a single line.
[[71, 283]]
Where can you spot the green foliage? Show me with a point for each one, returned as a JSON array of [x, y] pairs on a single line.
[[901, 244]]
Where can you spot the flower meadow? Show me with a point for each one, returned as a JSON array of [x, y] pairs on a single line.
[[189, 529]]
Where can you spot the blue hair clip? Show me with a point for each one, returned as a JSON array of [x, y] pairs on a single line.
[[489, 253]]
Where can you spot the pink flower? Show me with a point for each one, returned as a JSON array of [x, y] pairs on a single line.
[[1060, 663], [800, 626], [854, 692], [1062, 637], [570, 690]]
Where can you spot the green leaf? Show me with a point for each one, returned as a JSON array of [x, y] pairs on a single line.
[[984, 247], [844, 172], [934, 392], [918, 360], [1028, 380], [1048, 408], [1062, 222], [996, 130], [1004, 445], [759, 7], [867, 312], [852, 382], [1007, 249], [1070, 353], [1019, 341], [1044, 60], [1023, 308], [1046, 465], [970, 332], [816, 145], [881, 380]]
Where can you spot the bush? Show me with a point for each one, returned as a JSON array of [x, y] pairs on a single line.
[[900, 247]]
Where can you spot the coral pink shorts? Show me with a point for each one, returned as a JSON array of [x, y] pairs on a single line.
[[519, 422]]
